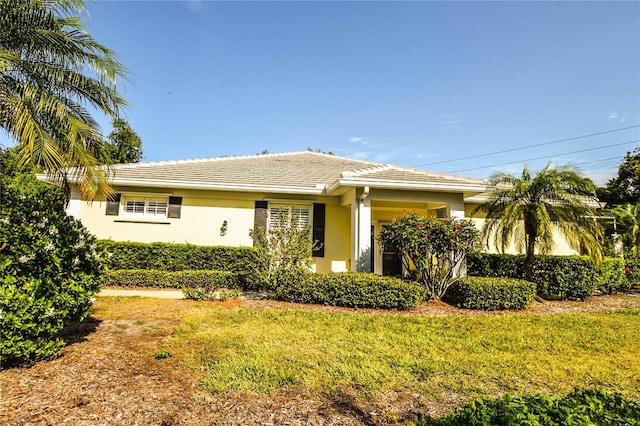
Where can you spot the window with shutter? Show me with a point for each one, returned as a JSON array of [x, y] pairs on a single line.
[[296, 214], [152, 208]]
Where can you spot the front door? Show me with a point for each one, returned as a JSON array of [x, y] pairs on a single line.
[[390, 262]]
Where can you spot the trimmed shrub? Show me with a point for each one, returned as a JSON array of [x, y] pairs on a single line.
[[495, 265], [564, 277], [491, 293], [632, 270], [610, 277], [596, 407], [170, 279], [49, 268], [556, 277], [349, 289], [246, 262]]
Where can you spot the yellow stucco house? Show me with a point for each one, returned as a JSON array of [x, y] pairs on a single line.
[[218, 201]]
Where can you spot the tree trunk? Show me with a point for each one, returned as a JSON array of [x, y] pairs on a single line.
[[531, 235]]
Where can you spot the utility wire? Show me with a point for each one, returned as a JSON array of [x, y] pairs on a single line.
[[547, 156], [527, 147]]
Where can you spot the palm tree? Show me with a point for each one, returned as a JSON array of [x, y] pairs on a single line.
[[51, 72], [527, 211], [629, 217]]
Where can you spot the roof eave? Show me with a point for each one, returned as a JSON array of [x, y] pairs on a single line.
[[408, 185], [148, 183]]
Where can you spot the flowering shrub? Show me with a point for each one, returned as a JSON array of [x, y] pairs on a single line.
[[434, 249], [49, 268]]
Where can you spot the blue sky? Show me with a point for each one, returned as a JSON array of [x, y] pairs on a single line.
[[409, 83]]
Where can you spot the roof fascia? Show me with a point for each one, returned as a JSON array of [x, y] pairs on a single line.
[[422, 186], [318, 190]]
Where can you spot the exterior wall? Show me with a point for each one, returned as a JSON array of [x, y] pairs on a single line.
[[201, 218], [561, 247], [199, 223], [336, 247]]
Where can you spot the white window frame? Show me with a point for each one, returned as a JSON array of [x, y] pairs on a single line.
[[292, 209], [146, 207]]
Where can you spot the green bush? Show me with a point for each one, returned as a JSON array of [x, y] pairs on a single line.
[[596, 407], [491, 293], [49, 268], [349, 289], [495, 265], [556, 277], [564, 277], [632, 270], [170, 279], [243, 261], [610, 276]]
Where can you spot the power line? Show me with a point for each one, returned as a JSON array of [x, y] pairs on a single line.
[[547, 156], [527, 147]]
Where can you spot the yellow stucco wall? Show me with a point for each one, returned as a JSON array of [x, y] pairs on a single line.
[[199, 223], [337, 240], [201, 220]]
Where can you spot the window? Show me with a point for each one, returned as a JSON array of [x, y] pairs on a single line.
[[297, 214], [146, 207]]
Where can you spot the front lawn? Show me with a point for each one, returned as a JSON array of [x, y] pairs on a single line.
[[179, 362], [269, 350]]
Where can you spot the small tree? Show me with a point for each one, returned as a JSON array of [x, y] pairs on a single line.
[[123, 144], [287, 247], [435, 249]]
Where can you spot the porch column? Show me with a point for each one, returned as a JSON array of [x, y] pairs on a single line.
[[361, 231], [456, 208]]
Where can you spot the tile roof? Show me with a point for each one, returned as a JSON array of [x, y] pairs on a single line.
[[295, 170]]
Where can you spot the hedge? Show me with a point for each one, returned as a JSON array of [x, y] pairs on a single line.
[[170, 279], [556, 277], [349, 289], [244, 261], [632, 270], [597, 407], [491, 293], [610, 277]]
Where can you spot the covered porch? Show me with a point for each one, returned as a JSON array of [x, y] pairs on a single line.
[[372, 209]]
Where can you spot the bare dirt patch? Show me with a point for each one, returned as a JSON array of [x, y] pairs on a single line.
[[108, 374]]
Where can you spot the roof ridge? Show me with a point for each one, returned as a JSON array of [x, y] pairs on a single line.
[[239, 157], [366, 170], [202, 159]]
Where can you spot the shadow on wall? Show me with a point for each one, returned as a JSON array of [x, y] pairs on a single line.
[[364, 263]]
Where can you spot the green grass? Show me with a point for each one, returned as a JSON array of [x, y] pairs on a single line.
[[270, 350]]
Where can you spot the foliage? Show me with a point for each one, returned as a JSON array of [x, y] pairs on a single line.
[[123, 144], [632, 270], [491, 293], [166, 279], [624, 188], [242, 261], [51, 73], [597, 407], [286, 247], [628, 216], [211, 293], [163, 354], [610, 276], [526, 212], [49, 266], [564, 277], [434, 356], [434, 248], [349, 289]]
